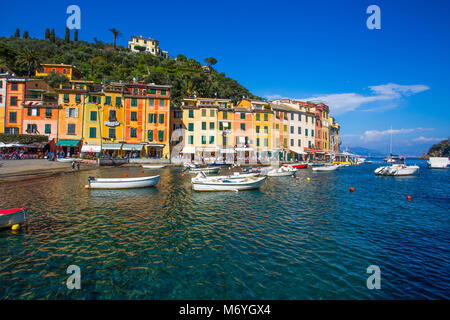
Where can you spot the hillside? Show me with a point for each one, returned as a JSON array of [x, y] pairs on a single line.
[[100, 61], [441, 149]]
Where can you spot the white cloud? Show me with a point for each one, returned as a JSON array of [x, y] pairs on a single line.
[[381, 94], [423, 139], [375, 135]]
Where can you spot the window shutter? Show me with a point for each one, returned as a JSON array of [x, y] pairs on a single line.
[[67, 112], [76, 113]]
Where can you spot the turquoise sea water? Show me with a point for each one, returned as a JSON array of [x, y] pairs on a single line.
[[292, 239]]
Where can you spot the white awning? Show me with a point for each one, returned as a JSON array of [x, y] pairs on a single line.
[[298, 151], [320, 152], [208, 149], [132, 147], [91, 148], [155, 145], [188, 150], [112, 146], [230, 150]]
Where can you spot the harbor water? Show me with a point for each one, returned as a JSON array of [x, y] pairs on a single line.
[[292, 239]]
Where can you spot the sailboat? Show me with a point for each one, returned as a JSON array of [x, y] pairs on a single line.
[[398, 167]]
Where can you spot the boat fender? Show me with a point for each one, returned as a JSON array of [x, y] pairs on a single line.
[[15, 227], [91, 178]]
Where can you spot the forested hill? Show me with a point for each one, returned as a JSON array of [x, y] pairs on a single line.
[[441, 149], [101, 61]]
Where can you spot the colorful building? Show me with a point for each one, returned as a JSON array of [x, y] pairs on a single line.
[[15, 95], [113, 129], [3, 82], [308, 120], [243, 134], [71, 72], [147, 45], [41, 110]]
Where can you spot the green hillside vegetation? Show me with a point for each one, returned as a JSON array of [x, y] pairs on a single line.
[[441, 149], [101, 61]]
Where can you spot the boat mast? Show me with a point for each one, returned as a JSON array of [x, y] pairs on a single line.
[[390, 148]]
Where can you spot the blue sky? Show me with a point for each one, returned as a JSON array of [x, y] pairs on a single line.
[[318, 50]]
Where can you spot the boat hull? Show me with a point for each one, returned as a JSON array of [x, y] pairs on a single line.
[[153, 166], [11, 217], [298, 166], [123, 183], [395, 171], [211, 170], [325, 168], [227, 186]]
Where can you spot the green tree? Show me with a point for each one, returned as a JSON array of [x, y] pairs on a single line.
[[210, 61], [30, 60], [55, 79], [47, 34], [116, 33], [26, 35], [67, 36], [75, 37], [53, 36], [17, 34]]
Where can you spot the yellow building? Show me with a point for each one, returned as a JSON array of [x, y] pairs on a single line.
[[112, 129], [67, 70], [262, 125], [92, 123]]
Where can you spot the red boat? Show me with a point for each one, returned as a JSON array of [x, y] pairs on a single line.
[[11, 217], [296, 166]]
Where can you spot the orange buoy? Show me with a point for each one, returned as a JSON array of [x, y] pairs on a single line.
[[125, 175], [351, 189], [409, 198], [142, 171], [297, 178], [182, 175]]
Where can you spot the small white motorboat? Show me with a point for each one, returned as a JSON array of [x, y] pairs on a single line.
[[438, 162], [210, 170], [10, 217], [203, 183], [122, 183], [396, 170], [238, 175], [155, 166], [325, 168], [68, 160], [281, 172]]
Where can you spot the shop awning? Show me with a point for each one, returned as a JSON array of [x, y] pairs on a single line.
[[208, 149], [132, 147], [231, 150], [91, 148], [320, 152], [244, 149], [68, 143], [188, 150], [112, 146], [155, 145], [297, 151]]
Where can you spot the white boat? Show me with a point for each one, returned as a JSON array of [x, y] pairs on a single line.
[[122, 183], [326, 168], [281, 172], [203, 183], [438, 162], [10, 217], [68, 160], [210, 170], [155, 166], [238, 175], [396, 170]]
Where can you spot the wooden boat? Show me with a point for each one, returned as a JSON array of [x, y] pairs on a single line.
[[325, 168], [281, 172], [122, 183], [11, 217], [203, 183], [296, 166], [154, 166]]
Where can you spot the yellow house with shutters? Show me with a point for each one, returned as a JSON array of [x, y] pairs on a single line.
[[92, 123], [262, 125], [112, 129]]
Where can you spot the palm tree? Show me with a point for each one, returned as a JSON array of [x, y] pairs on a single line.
[[31, 60], [116, 33]]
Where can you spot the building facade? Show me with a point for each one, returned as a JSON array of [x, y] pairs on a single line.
[[147, 45]]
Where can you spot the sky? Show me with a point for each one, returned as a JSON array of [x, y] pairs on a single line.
[[312, 50]]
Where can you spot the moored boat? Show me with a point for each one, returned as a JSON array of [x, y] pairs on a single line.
[[210, 170], [10, 217], [122, 183], [325, 168], [297, 166], [203, 183], [396, 170], [438, 162], [153, 166], [68, 160], [281, 172]]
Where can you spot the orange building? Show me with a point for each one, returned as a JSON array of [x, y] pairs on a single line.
[[41, 110], [147, 119], [71, 72], [15, 95]]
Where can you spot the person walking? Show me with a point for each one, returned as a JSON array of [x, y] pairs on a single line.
[[78, 166], [73, 165]]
